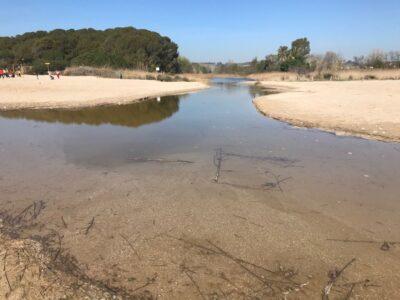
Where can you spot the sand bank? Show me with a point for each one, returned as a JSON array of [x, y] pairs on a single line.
[[363, 108], [71, 92]]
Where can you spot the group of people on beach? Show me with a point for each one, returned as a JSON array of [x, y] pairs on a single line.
[[9, 73]]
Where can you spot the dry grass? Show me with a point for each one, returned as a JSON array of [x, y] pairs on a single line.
[[357, 74], [126, 74]]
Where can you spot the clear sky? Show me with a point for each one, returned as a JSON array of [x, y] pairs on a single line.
[[222, 30]]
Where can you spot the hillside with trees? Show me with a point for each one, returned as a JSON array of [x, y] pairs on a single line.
[[116, 48]]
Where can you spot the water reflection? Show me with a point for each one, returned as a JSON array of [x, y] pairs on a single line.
[[131, 115]]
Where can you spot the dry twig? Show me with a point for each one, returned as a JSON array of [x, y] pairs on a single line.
[[90, 225], [334, 276]]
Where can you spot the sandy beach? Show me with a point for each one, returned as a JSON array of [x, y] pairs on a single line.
[[363, 108], [72, 92]]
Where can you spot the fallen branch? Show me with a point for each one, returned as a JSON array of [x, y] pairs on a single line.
[[195, 284], [37, 208], [277, 183], [5, 271], [64, 223], [334, 276], [148, 282], [130, 245], [161, 160], [90, 225], [274, 159], [247, 220], [217, 160], [385, 245]]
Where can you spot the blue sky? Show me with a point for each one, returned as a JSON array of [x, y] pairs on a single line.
[[222, 30]]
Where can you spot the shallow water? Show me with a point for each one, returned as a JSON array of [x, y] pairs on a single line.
[[193, 126], [337, 185]]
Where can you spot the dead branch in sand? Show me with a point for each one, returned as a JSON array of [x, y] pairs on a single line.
[[217, 160], [385, 245], [160, 160], [333, 277], [242, 186], [187, 272], [276, 183], [5, 271], [130, 245], [64, 223], [89, 226], [247, 220], [37, 209], [149, 281], [220, 156], [283, 161], [273, 281], [59, 246]]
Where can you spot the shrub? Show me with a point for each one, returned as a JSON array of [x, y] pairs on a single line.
[[369, 77], [150, 77], [328, 76], [165, 78]]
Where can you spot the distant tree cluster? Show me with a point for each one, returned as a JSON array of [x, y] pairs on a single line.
[[116, 48], [298, 58], [295, 58], [186, 66], [378, 59]]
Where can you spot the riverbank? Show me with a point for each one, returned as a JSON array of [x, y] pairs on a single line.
[[83, 91], [369, 109]]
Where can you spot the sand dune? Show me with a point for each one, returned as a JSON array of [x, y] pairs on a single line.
[[364, 108], [70, 92]]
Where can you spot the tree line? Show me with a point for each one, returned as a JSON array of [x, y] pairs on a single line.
[[126, 47], [298, 58]]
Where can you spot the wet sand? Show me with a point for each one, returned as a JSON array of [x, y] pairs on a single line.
[[83, 91], [136, 206], [369, 109]]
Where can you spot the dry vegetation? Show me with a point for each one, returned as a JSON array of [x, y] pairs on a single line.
[[355, 74], [138, 74], [125, 73], [39, 267]]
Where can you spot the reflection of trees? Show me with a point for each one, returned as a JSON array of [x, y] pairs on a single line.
[[257, 91], [131, 115]]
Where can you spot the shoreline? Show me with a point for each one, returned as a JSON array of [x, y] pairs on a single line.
[[84, 91], [304, 105]]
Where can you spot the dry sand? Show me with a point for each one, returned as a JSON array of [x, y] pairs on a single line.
[[363, 108], [69, 92]]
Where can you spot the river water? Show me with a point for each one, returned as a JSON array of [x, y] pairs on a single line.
[[200, 165]]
